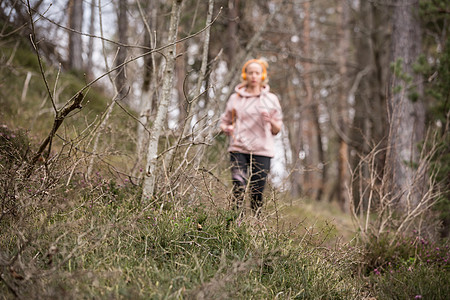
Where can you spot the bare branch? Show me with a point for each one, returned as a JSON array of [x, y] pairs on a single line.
[[59, 119]]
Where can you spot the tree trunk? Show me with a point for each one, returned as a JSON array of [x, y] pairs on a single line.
[[147, 102], [90, 52], [75, 59], [292, 123], [180, 74], [122, 24], [360, 131], [203, 80], [231, 47], [369, 123], [321, 164], [312, 176], [160, 120], [343, 106], [406, 111]]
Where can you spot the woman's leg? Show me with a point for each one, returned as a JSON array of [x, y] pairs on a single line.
[[239, 163], [260, 169]]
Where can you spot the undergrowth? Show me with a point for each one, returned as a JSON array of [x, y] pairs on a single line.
[[69, 237], [95, 239], [414, 267], [66, 237]]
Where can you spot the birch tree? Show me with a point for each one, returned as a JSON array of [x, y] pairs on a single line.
[[161, 115]]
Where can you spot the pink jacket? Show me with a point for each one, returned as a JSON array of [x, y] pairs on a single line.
[[251, 134]]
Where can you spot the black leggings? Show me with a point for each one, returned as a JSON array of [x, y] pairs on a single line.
[[259, 167]]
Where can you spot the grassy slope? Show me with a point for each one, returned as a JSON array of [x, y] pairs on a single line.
[[35, 114]]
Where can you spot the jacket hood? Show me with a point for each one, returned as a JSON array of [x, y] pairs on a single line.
[[240, 89]]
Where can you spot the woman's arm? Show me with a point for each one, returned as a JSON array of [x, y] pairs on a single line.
[[227, 120], [276, 126]]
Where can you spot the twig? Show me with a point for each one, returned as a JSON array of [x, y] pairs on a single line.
[[25, 86], [59, 118], [121, 44], [41, 68]]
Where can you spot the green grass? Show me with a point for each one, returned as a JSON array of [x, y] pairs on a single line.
[[321, 216], [111, 245]]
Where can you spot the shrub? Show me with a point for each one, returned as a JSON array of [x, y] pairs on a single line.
[[412, 268], [418, 281]]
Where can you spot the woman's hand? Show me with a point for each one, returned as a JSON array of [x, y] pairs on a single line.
[[228, 129], [266, 117], [275, 126]]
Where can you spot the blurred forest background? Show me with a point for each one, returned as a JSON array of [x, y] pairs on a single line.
[[114, 175]]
